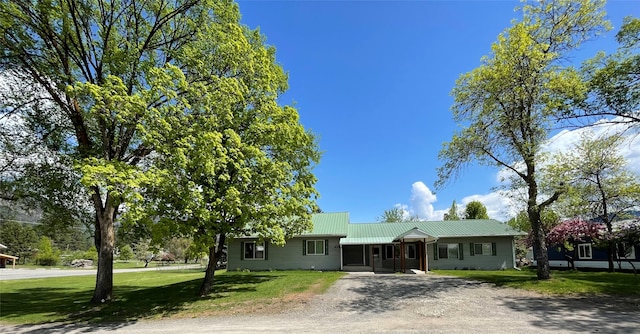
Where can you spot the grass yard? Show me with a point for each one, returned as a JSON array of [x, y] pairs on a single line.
[[116, 265], [155, 294], [561, 282]]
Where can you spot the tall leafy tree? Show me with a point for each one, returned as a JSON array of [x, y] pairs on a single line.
[[614, 80], [475, 210], [100, 83], [600, 185], [508, 102], [452, 214], [236, 162]]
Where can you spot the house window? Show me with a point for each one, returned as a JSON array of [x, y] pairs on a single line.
[[410, 251], [315, 247], [389, 251], [482, 249], [254, 250], [626, 252], [584, 251], [448, 251]]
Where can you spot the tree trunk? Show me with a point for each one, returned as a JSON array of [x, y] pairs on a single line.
[[205, 288], [610, 252], [215, 253], [103, 291], [539, 244]]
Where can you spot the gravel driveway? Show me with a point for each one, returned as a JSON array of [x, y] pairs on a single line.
[[365, 302]]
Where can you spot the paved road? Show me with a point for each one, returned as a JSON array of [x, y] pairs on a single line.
[[12, 274], [366, 303]]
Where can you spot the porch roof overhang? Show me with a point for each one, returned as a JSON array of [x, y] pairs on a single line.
[[366, 241], [415, 234], [7, 256], [412, 235]]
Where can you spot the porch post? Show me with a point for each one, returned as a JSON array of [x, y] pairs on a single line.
[[364, 255], [426, 257], [373, 259], [393, 256], [341, 259], [402, 262]]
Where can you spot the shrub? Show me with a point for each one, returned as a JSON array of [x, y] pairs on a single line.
[[126, 253], [47, 255], [91, 254]]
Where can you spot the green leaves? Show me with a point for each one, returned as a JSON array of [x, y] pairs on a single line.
[[600, 185], [507, 105]]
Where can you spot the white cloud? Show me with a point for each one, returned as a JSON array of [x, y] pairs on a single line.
[[421, 203], [500, 204], [629, 148]]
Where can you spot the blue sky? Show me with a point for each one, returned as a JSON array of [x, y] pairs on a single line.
[[372, 79]]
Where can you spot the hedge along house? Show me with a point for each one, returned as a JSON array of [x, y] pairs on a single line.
[[336, 244]]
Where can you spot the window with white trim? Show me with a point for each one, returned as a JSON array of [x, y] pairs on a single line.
[[448, 251], [315, 247], [254, 250], [482, 248], [391, 251], [410, 251], [584, 251]]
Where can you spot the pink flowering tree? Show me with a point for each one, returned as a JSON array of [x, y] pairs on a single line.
[[568, 234]]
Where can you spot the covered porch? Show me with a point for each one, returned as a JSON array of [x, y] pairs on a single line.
[[402, 253]]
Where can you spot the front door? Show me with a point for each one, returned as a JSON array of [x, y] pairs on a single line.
[[377, 257]]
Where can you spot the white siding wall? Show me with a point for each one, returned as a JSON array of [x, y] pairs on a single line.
[[288, 257]]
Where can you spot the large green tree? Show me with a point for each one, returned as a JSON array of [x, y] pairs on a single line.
[[599, 183], [101, 82], [614, 80], [232, 159], [509, 102], [475, 210], [239, 163]]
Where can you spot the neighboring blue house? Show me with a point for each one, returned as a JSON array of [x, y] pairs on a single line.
[[336, 244], [587, 255]]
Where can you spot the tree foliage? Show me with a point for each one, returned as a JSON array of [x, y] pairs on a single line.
[[396, 215], [548, 217], [600, 185], [475, 210], [121, 91], [571, 232], [236, 162], [510, 101], [46, 253], [126, 253], [452, 214], [613, 80], [21, 239]]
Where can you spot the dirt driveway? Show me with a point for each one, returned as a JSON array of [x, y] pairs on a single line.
[[365, 303]]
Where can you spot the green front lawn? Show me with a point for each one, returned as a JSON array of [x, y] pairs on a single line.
[[155, 294], [561, 282]]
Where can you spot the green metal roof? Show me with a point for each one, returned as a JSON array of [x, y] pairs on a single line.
[[375, 233], [335, 223]]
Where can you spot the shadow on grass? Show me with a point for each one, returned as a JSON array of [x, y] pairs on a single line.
[[132, 302]]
